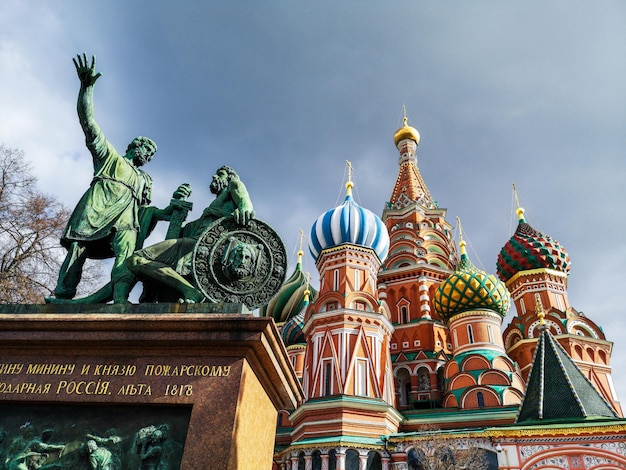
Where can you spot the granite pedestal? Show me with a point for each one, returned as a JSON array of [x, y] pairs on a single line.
[[208, 377]]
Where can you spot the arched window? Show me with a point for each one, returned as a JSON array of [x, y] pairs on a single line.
[[336, 280], [327, 379], [481, 399], [470, 334], [317, 460], [352, 460], [374, 462], [332, 459], [404, 315], [301, 463]]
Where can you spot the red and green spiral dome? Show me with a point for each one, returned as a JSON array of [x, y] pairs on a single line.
[[529, 249]]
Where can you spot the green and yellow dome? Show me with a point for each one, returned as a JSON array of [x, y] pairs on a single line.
[[468, 289], [290, 299]]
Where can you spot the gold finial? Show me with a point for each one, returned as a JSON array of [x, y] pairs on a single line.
[[300, 252], [406, 131], [461, 241], [519, 210], [349, 184], [539, 309]]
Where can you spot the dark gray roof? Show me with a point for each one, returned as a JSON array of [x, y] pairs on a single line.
[[557, 390]]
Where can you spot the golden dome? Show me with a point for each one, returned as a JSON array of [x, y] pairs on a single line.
[[406, 132]]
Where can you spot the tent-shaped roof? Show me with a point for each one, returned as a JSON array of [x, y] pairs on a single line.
[[557, 390]]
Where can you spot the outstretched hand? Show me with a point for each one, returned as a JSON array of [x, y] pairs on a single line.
[[86, 73]]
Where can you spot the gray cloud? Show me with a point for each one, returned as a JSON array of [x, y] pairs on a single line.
[[285, 92]]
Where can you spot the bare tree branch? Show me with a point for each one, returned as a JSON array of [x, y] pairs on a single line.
[[436, 450], [31, 224]]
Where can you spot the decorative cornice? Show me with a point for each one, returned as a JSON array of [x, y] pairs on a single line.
[[531, 272]]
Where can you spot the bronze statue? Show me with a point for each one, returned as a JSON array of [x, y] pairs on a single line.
[[106, 221], [169, 262], [226, 255], [113, 217]]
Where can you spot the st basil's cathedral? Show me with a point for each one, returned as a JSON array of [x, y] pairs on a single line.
[[405, 362]]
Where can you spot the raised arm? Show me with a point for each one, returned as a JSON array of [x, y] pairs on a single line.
[[244, 211], [88, 76]]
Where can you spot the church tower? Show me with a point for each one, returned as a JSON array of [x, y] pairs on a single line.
[[422, 254], [480, 374], [347, 377], [532, 265]]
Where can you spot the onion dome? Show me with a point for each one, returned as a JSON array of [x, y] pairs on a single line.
[[406, 132], [291, 296], [529, 249], [349, 224], [292, 331], [469, 288]]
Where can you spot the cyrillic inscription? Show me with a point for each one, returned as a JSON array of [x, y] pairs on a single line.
[[165, 370], [93, 379]]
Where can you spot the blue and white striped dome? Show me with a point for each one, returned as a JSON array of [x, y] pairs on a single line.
[[349, 224]]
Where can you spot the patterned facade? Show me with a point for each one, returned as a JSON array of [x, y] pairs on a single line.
[[403, 347]]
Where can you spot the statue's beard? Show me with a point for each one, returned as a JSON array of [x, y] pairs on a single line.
[[141, 156], [217, 186], [242, 271]]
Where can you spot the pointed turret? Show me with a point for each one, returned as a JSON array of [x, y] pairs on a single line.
[[347, 375], [557, 390], [410, 186], [422, 254], [473, 304], [532, 263]]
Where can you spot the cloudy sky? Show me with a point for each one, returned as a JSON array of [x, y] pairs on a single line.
[[527, 92]]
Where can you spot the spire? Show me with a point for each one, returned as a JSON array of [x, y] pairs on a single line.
[[349, 184], [462, 243], [300, 252], [307, 291], [518, 209], [410, 186], [557, 390]]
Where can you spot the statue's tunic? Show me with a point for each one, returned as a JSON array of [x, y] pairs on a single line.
[[112, 202]]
